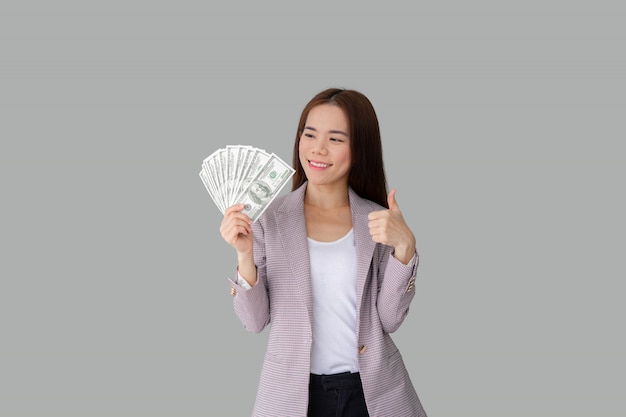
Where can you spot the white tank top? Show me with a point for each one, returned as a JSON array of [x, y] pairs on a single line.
[[333, 272]]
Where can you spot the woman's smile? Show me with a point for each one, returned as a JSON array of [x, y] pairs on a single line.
[[318, 165]]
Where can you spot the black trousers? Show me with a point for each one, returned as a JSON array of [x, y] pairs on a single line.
[[337, 395]]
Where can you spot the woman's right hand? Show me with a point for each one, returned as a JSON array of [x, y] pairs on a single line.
[[236, 229]]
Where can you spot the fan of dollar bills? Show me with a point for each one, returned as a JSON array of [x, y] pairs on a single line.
[[244, 174]]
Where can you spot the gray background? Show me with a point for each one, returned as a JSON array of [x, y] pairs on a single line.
[[500, 121]]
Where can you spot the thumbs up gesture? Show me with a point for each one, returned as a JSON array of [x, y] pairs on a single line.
[[389, 228]]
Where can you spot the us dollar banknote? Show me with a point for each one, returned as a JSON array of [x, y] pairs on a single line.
[[244, 174]]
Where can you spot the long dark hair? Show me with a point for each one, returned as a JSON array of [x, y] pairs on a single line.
[[367, 172]]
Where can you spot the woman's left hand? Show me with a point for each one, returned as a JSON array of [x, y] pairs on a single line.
[[389, 228]]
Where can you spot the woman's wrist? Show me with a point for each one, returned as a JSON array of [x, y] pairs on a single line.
[[247, 268], [404, 253]]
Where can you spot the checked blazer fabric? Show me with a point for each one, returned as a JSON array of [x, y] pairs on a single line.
[[282, 300]]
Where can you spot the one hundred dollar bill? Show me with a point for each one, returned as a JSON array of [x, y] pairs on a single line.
[[265, 186]]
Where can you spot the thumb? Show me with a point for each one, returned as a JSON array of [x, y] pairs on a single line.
[[391, 200]]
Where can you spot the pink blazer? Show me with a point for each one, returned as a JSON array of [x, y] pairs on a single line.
[[282, 300]]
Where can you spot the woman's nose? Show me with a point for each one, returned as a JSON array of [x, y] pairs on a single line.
[[320, 147]]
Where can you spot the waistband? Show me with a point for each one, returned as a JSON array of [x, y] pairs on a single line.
[[344, 380]]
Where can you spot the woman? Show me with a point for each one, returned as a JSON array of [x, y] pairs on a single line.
[[330, 267]]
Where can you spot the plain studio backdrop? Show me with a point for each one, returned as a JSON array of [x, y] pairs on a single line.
[[501, 123]]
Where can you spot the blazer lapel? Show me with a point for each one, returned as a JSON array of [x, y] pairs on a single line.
[[364, 245], [290, 218]]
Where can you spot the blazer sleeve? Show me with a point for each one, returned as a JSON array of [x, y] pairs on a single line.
[[396, 290], [252, 305]]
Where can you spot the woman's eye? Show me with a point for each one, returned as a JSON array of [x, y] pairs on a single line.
[[307, 135], [336, 140]]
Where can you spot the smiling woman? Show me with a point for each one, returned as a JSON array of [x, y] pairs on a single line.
[[331, 266], [361, 130]]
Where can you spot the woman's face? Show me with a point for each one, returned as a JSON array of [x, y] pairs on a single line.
[[325, 146]]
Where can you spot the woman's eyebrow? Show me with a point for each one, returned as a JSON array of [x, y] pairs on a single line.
[[341, 132]]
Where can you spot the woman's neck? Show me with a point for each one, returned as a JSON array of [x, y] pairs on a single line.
[[326, 196]]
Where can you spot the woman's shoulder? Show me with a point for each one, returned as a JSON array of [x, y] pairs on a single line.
[[363, 204]]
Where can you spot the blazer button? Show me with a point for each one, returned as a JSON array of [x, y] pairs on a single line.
[[362, 349]]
